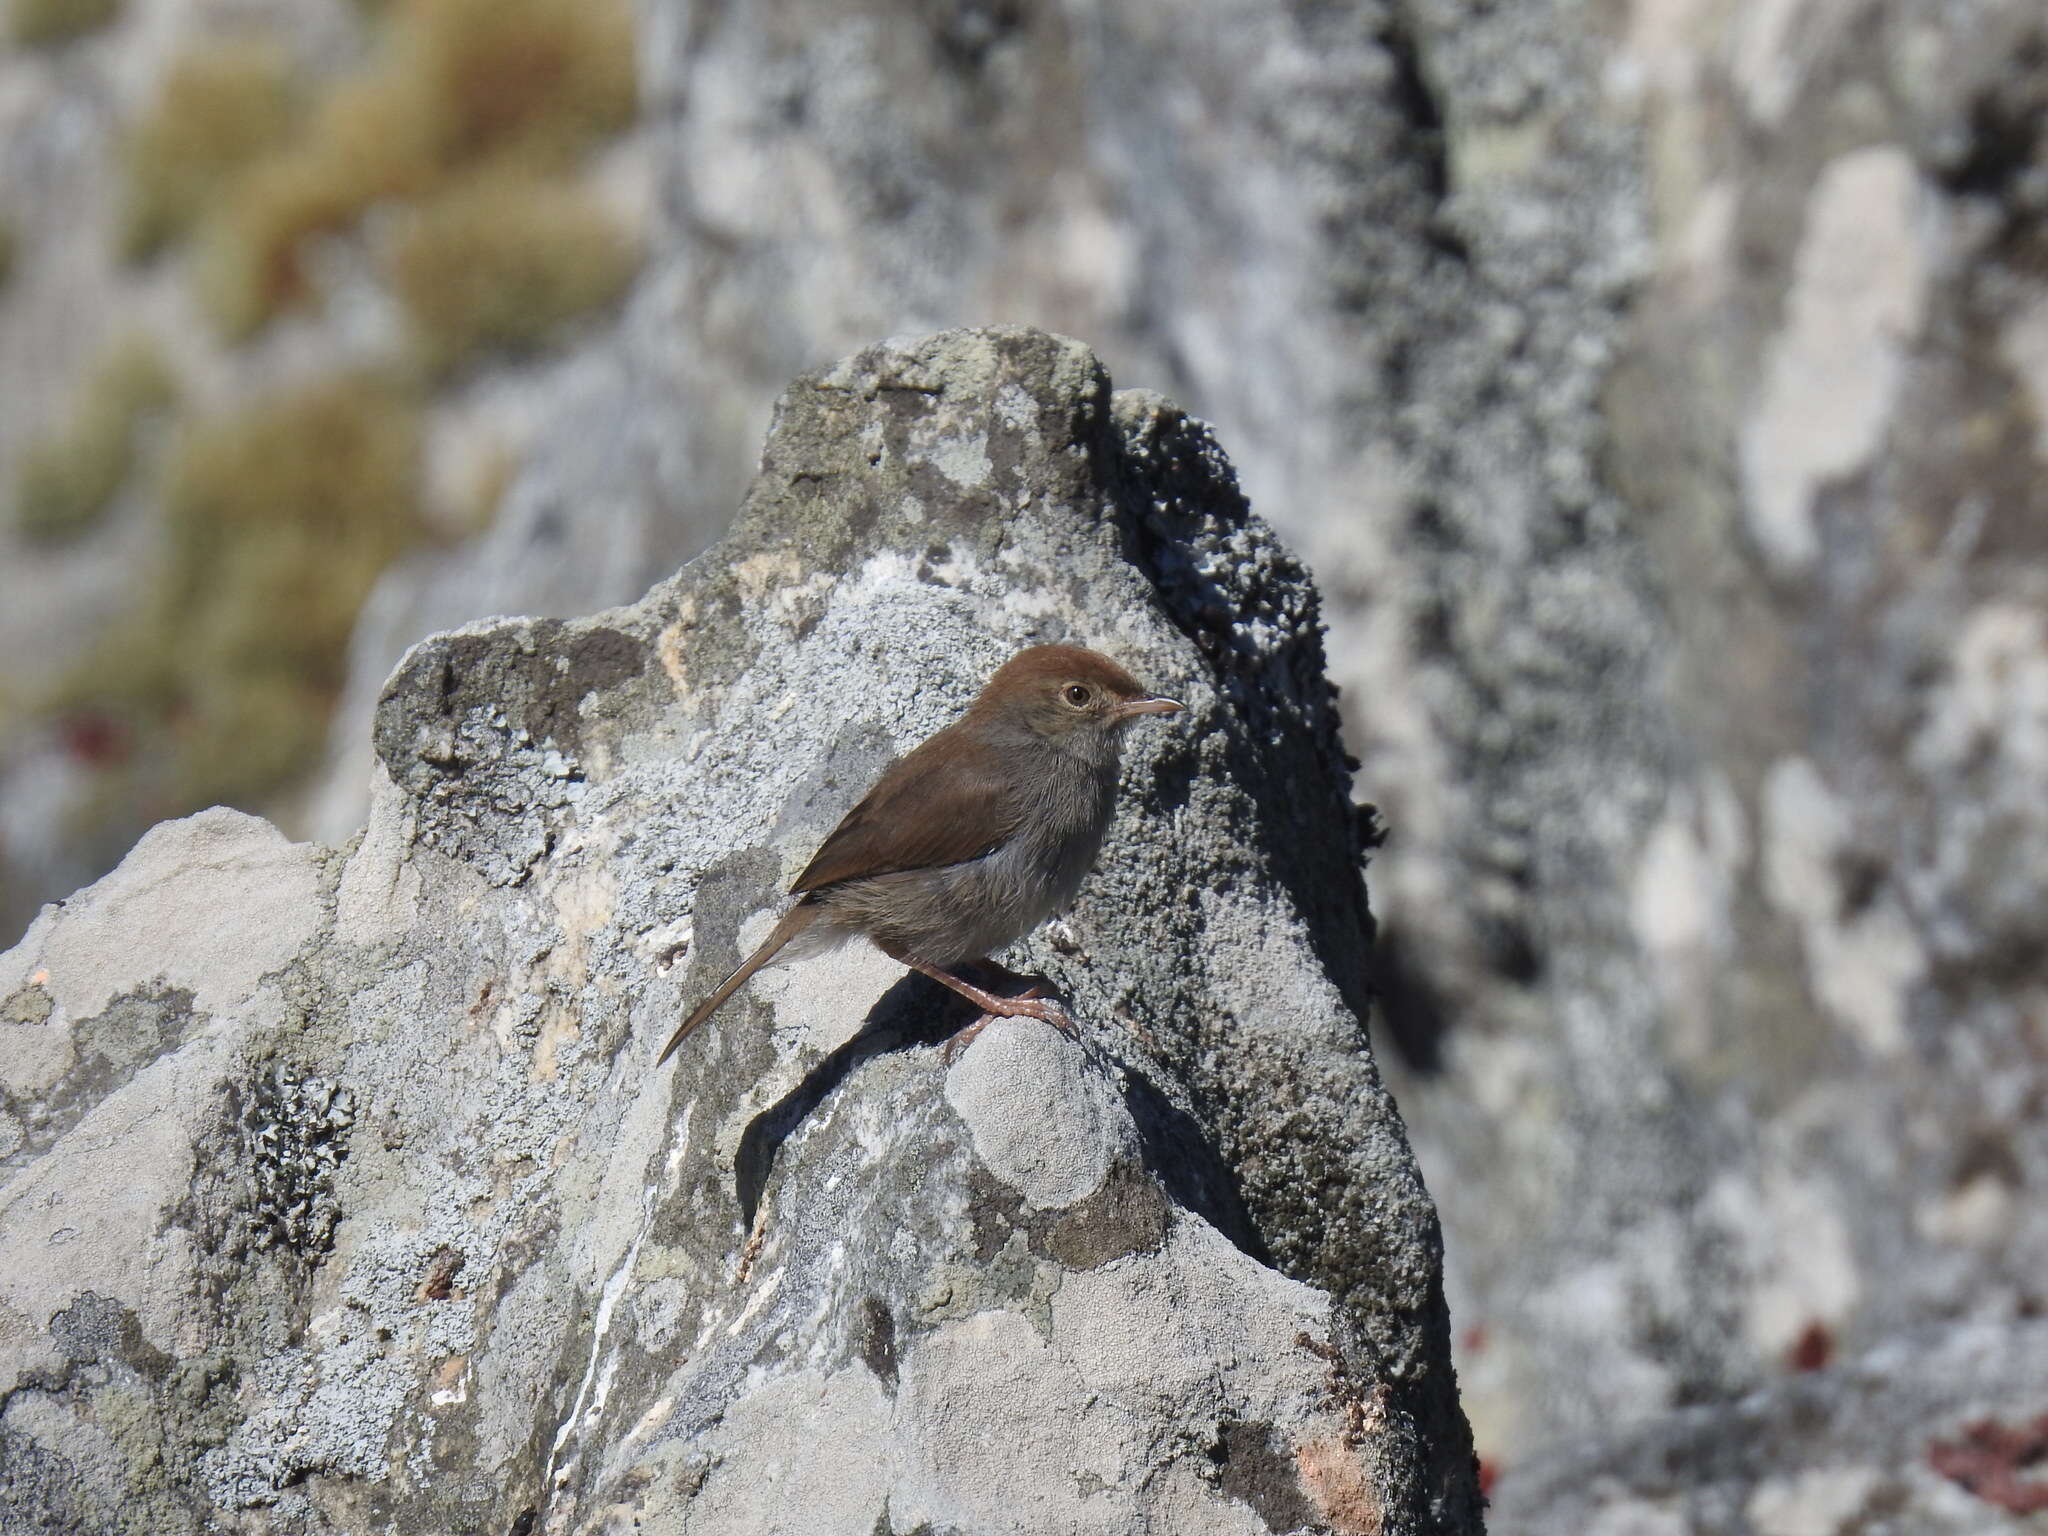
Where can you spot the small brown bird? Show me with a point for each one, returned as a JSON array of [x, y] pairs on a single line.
[[975, 837]]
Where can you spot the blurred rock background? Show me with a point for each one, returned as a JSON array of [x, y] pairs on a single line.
[[1659, 389]]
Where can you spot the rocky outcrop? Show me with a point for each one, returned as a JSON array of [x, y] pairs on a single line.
[[340, 1194]]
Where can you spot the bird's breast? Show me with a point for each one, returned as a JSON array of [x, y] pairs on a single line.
[[1056, 844]]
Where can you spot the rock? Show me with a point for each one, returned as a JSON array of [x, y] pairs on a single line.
[[340, 1196], [586, 524]]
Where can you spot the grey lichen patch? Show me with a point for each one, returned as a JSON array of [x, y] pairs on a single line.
[[996, 1210], [964, 460], [1001, 1274], [490, 736], [294, 1135], [136, 1029], [41, 1493], [96, 1330], [1127, 1214], [107, 1050], [1001, 1088], [373, 1393], [28, 1005]]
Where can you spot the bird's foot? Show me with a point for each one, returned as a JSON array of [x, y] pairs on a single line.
[[1033, 1002], [1038, 1003], [1029, 1005], [1030, 997]]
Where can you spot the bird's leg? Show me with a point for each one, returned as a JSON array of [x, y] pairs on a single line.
[[1017, 987], [1045, 1009]]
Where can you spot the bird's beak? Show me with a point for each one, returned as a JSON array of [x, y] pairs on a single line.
[[1132, 708]]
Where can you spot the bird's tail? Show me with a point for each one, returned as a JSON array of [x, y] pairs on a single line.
[[794, 922]]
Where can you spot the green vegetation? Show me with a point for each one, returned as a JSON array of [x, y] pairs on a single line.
[[279, 520], [68, 480], [539, 82], [464, 130], [222, 106], [45, 23], [460, 89], [505, 263]]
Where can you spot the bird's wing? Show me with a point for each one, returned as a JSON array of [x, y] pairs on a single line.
[[945, 802]]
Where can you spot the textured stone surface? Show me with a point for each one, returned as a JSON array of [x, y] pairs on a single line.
[[1859, 1449], [1755, 1114], [342, 1197]]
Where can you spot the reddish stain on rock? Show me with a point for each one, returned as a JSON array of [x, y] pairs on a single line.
[[1335, 1478], [1988, 1459], [1812, 1350], [439, 1284]]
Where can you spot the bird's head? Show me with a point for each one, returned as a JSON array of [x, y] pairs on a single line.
[[1067, 693]]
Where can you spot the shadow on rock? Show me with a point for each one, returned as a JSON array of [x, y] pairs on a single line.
[[919, 1012], [1187, 1164], [914, 1012]]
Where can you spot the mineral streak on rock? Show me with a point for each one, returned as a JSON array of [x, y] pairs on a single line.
[[341, 1197]]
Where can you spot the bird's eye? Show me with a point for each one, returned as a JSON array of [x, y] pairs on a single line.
[[1077, 695]]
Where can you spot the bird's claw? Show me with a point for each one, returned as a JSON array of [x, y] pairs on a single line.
[[963, 1037], [1033, 1003]]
